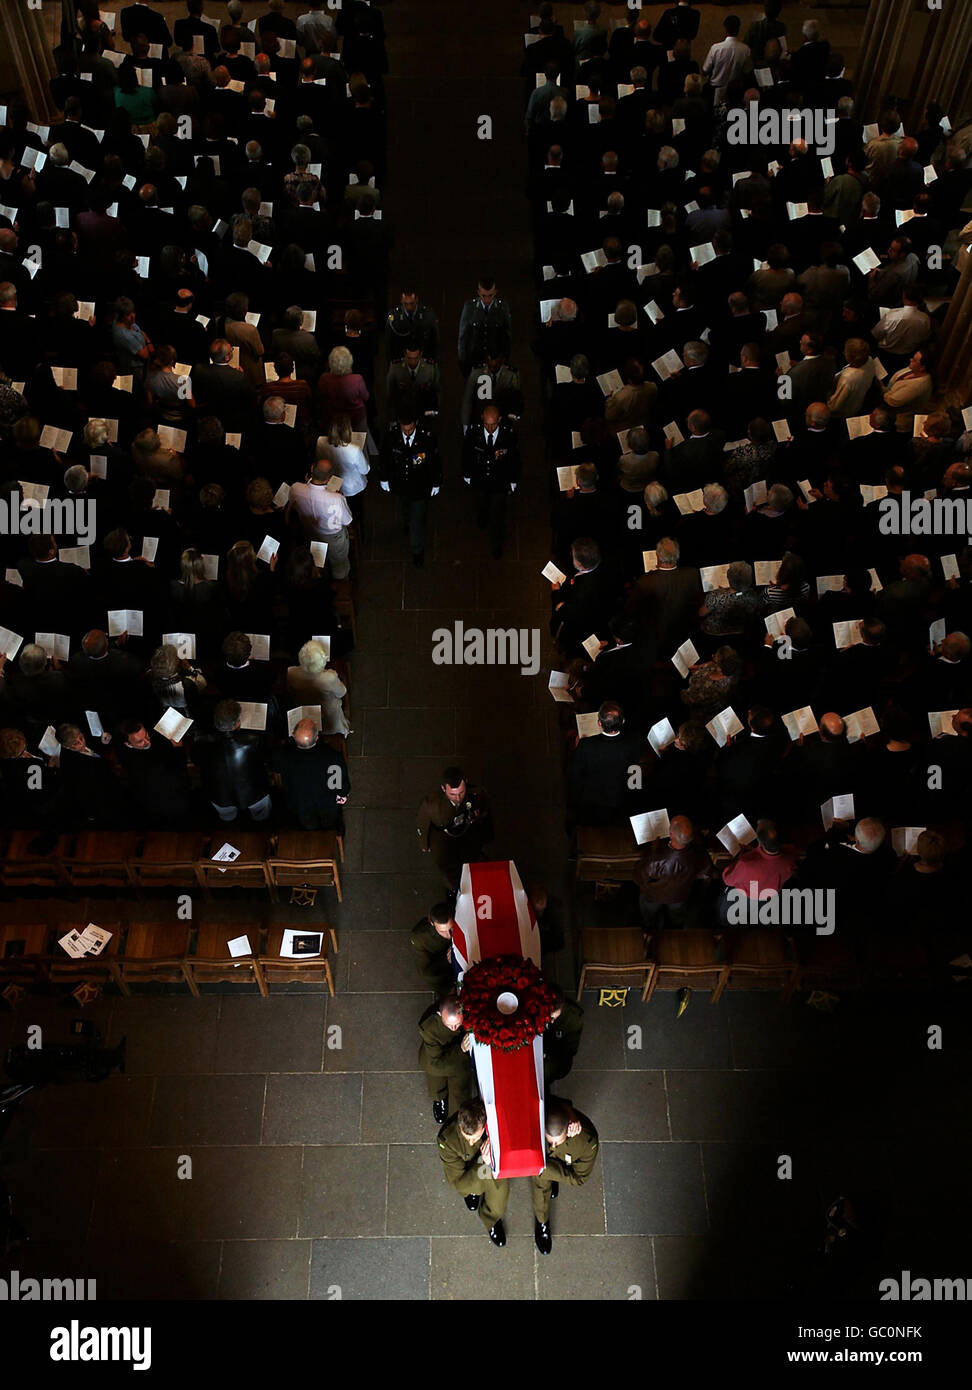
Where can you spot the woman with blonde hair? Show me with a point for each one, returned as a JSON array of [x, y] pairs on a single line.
[[349, 460], [854, 381], [312, 682], [342, 391]]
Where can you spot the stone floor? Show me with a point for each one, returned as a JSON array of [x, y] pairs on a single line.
[[314, 1171]]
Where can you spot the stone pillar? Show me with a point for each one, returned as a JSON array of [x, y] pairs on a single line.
[[943, 71], [24, 36]]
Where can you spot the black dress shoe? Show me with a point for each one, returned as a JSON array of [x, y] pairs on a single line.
[[418, 559], [555, 1189], [472, 1200], [497, 1234], [542, 1237], [440, 1111]]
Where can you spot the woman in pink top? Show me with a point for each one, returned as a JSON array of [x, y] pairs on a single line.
[[341, 391]]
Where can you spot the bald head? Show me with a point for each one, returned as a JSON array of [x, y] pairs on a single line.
[[681, 832], [869, 835], [305, 733], [831, 727]]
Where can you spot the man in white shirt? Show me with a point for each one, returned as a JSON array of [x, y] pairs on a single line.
[[726, 61], [900, 332], [324, 515]]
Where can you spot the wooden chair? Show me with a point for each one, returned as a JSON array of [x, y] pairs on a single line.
[[606, 855], [895, 959], [27, 864], [24, 954], [102, 859], [211, 961], [168, 859], [686, 957], [611, 957], [94, 970], [306, 860], [155, 951], [344, 605], [279, 969], [249, 871], [763, 957]]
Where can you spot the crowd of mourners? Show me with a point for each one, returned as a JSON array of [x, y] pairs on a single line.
[[739, 354], [193, 272]]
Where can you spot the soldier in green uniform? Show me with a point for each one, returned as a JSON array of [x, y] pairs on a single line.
[[464, 1150], [444, 1056], [454, 825], [432, 941], [411, 322], [571, 1155], [561, 1037]]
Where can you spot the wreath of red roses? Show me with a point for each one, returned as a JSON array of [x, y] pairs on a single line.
[[483, 983]]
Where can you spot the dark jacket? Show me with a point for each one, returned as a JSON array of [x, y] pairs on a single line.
[[232, 767], [411, 470], [491, 467]]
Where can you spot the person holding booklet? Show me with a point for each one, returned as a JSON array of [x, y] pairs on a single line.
[[668, 873]]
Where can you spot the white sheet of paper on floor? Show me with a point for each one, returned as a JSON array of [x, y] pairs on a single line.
[[71, 943], [661, 735], [184, 643], [861, 724], [800, 721], [551, 572], [650, 825], [736, 834], [226, 854], [259, 645], [685, 658], [239, 946], [837, 808], [173, 725], [94, 939], [587, 725]]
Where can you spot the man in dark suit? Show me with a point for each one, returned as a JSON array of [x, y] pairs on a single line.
[[666, 601], [59, 593], [599, 770], [156, 777], [314, 779], [698, 459], [222, 390], [106, 679], [583, 605], [747, 770], [491, 467], [144, 19]]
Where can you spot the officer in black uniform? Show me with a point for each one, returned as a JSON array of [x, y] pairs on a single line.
[[491, 467], [411, 322], [410, 467], [485, 328]]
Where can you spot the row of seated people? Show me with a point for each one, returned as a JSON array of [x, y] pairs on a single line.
[[754, 639]]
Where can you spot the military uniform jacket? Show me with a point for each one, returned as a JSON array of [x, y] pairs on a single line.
[[431, 948], [491, 467], [573, 1161], [422, 388], [460, 1159], [437, 810], [440, 1051], [562, 1035], [419, 329], [504, 386], [484, 331], [412, 470]]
